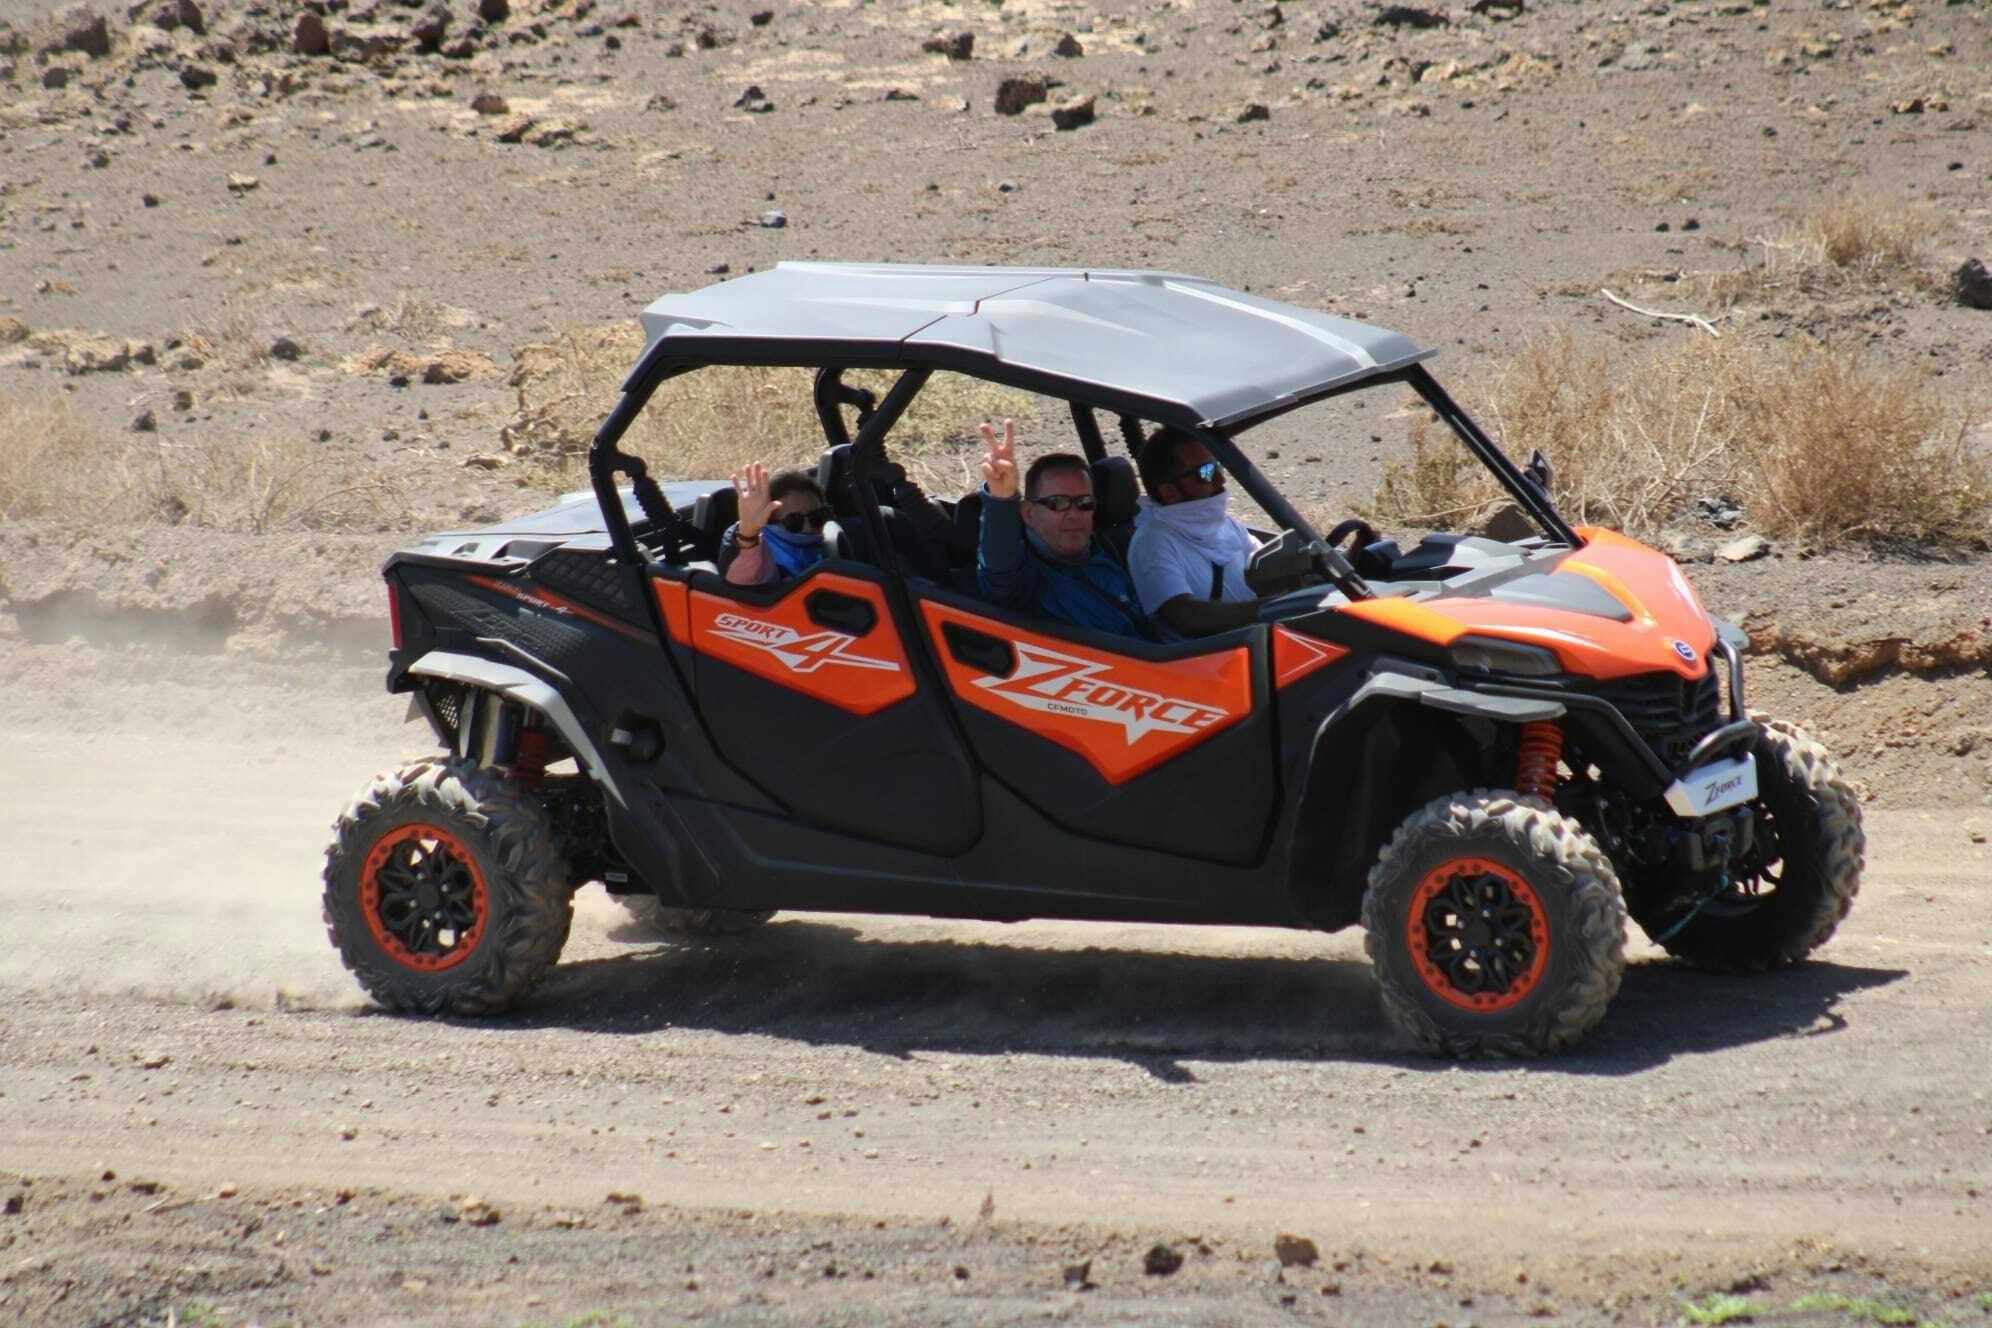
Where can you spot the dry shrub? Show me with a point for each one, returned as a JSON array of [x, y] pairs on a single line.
[[413, 318], [55, 465], [708, 423], [234, 345], [264, 484], [1867, 234], [1859, 241], [1844, 451], [1814, 442]]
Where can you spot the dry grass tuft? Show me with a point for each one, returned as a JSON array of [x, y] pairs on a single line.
[[1860, 242], [264, 484], [1815, 443], [707, 424], [55, 465], [53, 462], [233, 344], [412, 318]]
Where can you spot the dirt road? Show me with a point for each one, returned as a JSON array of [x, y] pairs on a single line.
[[828, 1119]]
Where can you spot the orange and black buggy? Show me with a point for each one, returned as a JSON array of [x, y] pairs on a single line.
[[1486, 753]]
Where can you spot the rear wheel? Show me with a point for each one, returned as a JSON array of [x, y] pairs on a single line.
[[1800, 876], [1495, 927], [444, 891]]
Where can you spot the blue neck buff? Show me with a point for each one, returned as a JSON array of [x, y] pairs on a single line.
[[794, 554]]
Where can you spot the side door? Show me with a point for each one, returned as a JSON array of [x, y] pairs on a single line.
[[1163, 747], [807, 689]]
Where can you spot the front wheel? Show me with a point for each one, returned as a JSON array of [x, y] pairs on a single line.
[[445, 891], [1495, 927], [1798, 879]]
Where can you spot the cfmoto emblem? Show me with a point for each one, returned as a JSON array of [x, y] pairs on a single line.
[[1684, 650]]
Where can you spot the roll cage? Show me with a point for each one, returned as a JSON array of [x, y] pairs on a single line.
[[876, 418]]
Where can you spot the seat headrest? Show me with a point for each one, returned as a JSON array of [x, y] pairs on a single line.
[[717, 510], [833, 472], [1116, 488]]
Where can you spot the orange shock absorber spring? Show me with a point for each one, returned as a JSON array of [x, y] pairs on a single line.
[[1535, 767]]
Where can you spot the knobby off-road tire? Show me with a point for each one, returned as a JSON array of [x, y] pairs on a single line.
[[1493, 874], [665, 920], [445, 891], [1810, 849]]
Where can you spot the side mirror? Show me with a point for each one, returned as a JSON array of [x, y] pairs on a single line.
[[1539, 472]]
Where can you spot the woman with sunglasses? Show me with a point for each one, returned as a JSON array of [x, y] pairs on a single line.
[[780, 531]]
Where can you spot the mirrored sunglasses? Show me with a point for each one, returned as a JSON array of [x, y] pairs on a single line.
[[1207, 472]]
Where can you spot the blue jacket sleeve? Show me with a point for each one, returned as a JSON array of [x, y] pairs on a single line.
[[1002, 566]]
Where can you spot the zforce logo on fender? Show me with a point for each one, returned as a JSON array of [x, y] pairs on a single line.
[[1057, 684], [799, 653]]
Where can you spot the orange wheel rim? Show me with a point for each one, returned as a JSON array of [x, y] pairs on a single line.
[[1478, 935], [423, 897]]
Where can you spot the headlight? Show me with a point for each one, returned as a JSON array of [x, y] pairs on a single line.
[[1495, 656]]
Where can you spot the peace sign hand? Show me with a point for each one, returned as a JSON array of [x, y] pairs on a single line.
[[999, 467], [756, 508]]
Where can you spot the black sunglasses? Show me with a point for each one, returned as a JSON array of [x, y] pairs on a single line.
[[1207, 472], [793, 522], [1058, 502]]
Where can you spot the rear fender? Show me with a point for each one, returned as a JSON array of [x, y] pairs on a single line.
[[638, 819], [515, 684]]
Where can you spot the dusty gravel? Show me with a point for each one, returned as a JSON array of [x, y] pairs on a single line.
[[174, 1017], [852, 1120]]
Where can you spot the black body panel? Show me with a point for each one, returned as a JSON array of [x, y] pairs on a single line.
[[1023, 867], [1215, 800], [896, 776]]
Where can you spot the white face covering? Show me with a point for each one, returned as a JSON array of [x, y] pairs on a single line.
[[1202, 524]]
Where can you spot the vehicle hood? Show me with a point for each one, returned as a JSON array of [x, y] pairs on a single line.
[[1608, 609]]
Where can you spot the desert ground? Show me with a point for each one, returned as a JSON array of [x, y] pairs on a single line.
[[283, 286]]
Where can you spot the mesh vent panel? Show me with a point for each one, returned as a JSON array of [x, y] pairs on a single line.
[[589, 579]]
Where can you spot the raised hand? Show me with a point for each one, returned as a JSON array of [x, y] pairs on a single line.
[[999, 466], [756, 508]]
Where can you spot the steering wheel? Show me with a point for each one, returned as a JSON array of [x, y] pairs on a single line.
[[1365, 535]]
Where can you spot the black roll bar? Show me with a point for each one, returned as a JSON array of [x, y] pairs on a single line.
[[831, 395], [606, 461], [1088, 428], [1240, 467], [869, 450], [1130, 428], [1519, 486]]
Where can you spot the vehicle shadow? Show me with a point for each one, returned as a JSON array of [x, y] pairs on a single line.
[[823, 983]]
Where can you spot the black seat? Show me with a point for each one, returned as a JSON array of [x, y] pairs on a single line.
[[711, 515], [967, 537], [833, 475], [1118, 493], [833, 472]]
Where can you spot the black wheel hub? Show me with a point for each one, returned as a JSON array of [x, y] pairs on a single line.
[[1478, 934], [427, 897]]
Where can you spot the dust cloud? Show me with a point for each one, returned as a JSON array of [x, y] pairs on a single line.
[[161, 829]]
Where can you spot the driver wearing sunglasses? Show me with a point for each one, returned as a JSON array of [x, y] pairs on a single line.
[[1188, 555], [1036, 551], [780, 531]]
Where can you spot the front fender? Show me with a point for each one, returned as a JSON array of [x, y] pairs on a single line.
[[1402, 738]]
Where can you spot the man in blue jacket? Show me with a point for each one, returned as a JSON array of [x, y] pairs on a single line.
[[1037, 552]]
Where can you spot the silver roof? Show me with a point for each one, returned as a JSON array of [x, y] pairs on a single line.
[[1193, 351]]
